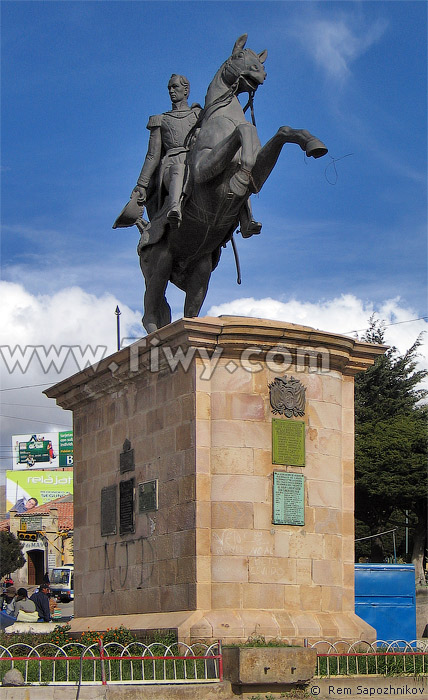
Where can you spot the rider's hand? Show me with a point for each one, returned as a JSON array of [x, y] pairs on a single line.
[[141, 191]]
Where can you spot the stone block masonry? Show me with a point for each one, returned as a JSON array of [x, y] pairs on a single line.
[[193, 400]]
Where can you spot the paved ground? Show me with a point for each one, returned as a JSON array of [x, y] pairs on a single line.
[[67, 610]]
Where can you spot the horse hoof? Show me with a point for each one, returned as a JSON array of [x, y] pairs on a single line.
[[315, 148]]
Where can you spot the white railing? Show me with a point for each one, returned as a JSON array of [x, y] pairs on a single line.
[[77, 664], [367, 658]]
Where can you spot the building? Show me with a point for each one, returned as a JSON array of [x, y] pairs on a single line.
[[47, 536]]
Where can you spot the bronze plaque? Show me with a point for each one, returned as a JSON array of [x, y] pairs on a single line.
[[127, 458], [126, 506], [108, 510], [148, 496], [288, 442], [288, 498]]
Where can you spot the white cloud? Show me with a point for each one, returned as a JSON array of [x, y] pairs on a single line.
[[336, 43], [52, 323], [72, 317], [345, 314]]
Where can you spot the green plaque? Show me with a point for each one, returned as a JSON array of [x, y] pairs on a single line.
[[288, 498], [288, 442], [148, 496]]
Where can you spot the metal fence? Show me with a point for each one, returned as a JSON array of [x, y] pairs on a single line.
[[376, 658], [75, 663], [138, 663]]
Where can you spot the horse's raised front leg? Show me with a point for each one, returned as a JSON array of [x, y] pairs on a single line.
[[210, 162], [156, 264], [197, 285], [250, 148], [268, 155], [213, 161]]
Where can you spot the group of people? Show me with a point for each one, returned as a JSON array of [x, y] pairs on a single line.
[[20, 608]]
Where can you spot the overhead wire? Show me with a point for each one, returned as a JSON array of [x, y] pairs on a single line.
[[387, 325], [43, 422]]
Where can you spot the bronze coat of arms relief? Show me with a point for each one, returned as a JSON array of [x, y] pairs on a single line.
[[287, 396]]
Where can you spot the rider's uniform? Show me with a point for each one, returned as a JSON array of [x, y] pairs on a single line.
[[174, 127]]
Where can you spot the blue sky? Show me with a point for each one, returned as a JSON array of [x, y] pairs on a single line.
[[339, 240]]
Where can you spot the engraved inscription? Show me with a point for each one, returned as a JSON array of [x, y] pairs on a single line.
[[108, 510], [251, 543], [288, 442], [288, 498], [126, 506]]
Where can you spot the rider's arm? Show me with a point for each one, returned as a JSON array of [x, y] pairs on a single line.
[[154, 152]]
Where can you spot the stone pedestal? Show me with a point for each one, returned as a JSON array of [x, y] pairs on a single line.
[[193, 400]]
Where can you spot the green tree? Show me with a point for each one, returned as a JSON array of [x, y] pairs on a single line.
[[391, 449], [11, 557]]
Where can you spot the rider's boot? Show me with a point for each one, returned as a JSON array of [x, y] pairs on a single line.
[[248, 227], [176, 174]]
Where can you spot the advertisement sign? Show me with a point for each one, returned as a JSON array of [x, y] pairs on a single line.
[[50, 450], [31, 524], [22, 487]]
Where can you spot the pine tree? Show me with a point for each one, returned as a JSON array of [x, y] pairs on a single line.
[[11, 557], [391, 447]]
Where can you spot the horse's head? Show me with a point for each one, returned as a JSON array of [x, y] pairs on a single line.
[[244, 68]]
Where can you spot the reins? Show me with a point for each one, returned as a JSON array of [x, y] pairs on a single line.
[[250, 104], [207, 112]]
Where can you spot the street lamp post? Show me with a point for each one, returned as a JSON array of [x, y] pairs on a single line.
[[118, 312]]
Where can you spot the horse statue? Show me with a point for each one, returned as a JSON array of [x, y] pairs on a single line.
[[226, 164]]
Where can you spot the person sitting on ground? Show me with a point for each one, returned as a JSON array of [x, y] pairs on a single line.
[[41, 600], [22, 602], [8, 595]]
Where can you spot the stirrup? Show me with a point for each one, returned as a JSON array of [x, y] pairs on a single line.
[[174, 218]]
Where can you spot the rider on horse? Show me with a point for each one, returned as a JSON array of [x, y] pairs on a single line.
[[164, 170]]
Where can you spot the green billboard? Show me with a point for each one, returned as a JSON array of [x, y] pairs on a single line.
[[53, 449]]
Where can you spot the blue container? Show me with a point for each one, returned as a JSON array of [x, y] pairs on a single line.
[[385, 597]]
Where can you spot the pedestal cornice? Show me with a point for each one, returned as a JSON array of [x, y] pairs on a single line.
[[233, 335]]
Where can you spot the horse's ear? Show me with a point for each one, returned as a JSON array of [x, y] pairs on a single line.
[[240, 43], [263, 56]]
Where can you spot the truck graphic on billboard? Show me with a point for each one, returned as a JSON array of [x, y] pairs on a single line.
[[50, 450]]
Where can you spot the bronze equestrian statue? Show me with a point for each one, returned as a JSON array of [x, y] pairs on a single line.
[[222, 164]]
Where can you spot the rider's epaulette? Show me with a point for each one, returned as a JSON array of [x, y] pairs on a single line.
[[196, 107], [155, 120]]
